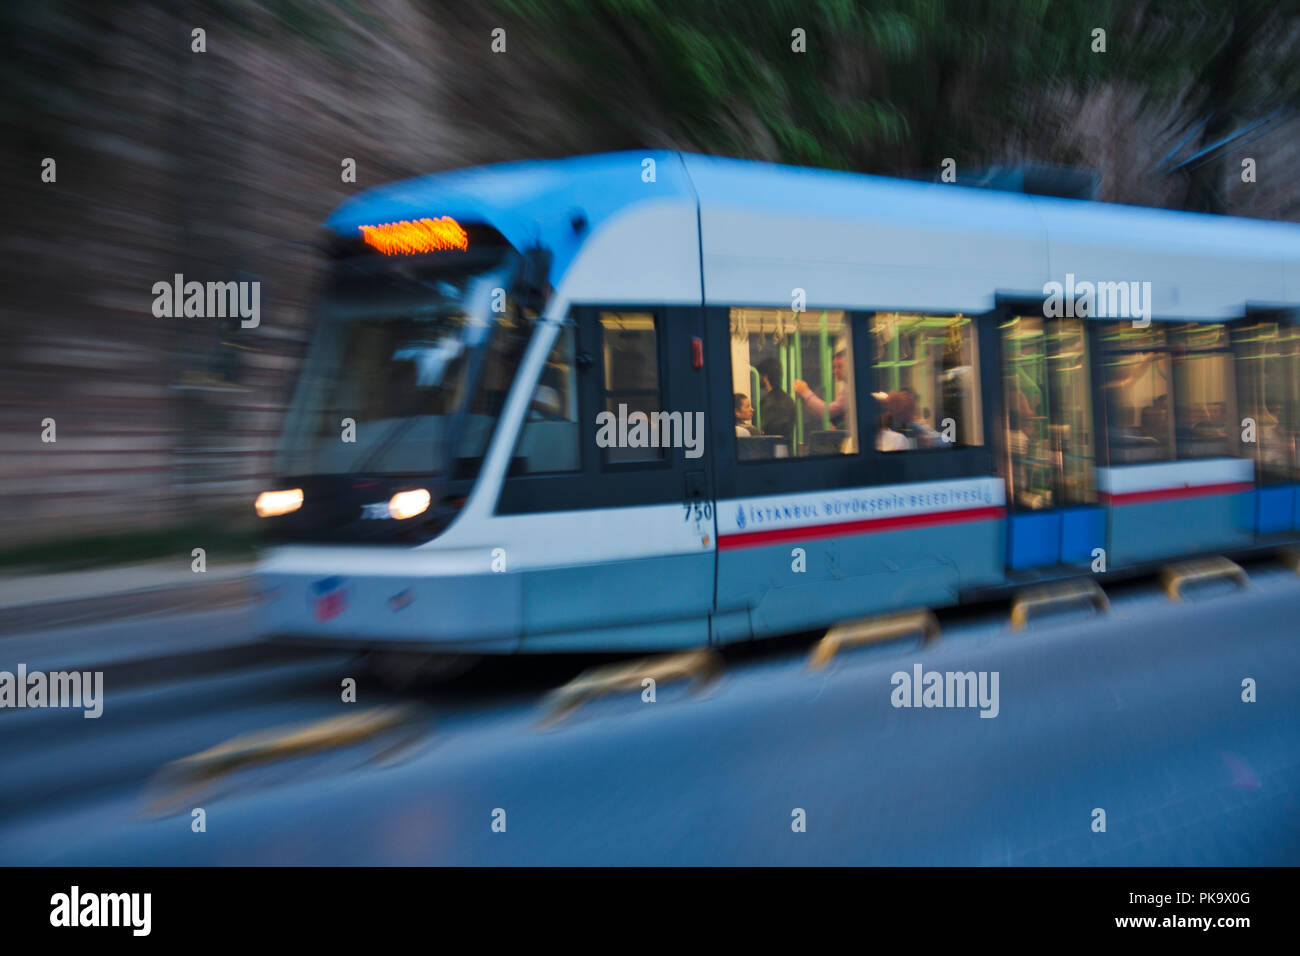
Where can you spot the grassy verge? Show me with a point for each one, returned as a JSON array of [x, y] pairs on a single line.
[[71, 554]]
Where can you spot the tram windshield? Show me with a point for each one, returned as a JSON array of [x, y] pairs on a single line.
[[407, 373]]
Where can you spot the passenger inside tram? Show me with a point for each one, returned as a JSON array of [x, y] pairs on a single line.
[[778, 407], [901, 428], [744, 416], [926, 366], [775, 355], [837, 409]]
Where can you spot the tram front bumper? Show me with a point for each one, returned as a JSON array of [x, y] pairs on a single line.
[[375, 597]]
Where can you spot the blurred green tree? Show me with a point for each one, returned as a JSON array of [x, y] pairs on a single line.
[[892, 85], [896, 85], [1233, 71]]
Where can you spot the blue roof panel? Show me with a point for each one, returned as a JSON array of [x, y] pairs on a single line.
[[528, 201], [535, 200]]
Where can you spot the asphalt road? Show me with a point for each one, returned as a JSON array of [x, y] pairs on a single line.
[[1138, 713]]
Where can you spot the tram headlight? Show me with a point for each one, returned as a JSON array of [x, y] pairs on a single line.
[[408, 504], [272, 503]]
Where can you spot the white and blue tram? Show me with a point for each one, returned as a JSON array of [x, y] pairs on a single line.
[[651, 400]]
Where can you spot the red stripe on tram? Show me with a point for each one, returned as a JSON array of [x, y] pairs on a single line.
[[842, 529], [1174, 494]]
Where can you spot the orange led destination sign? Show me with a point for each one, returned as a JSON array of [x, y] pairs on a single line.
[[422, 235]]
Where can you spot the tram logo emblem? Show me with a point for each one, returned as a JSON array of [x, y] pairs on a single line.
[[740, 517], [328, 598]]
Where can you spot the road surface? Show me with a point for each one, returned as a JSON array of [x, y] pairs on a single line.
[[1138, 713]]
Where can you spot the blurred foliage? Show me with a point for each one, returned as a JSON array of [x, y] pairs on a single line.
[[892, 84], [318, 22], [886, 85], [895, 85], [1224, 64]]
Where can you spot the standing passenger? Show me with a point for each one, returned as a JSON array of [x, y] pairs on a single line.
[[778, 407], [838, 408]]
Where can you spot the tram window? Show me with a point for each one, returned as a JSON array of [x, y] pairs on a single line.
[[1204, 405], [927, 373], [549, 441], [1135, 367], [630, 349], [1268, 393], [1048, 412], [792, 384], [504, 351]]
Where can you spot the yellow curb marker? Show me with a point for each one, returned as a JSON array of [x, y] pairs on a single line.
[[184, 777], [873, 630], [1063, 592], [1175, 576], [702, 667]]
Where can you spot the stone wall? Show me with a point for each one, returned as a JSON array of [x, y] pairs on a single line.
[[220, 166]]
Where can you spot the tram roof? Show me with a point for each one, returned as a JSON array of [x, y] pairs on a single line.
[[763, 226]]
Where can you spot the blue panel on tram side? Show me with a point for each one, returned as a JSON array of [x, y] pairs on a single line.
[[1083, 531], [972, 552], [659, 601], [1033, 540], [857, 575], [1166, 529], [1275, 509]]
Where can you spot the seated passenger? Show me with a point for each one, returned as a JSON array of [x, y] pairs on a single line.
[[744, 416], [901, 430], [926, 436]]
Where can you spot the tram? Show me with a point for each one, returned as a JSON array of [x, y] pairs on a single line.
[[648, 401]]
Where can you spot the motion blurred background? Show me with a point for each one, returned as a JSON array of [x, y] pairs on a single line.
[[221, 165]]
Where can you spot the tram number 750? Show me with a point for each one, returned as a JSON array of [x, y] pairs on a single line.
[[700, 510]]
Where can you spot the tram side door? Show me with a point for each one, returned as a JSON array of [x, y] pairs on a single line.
[[1049, 444], [1267, 349], [635, 522]]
